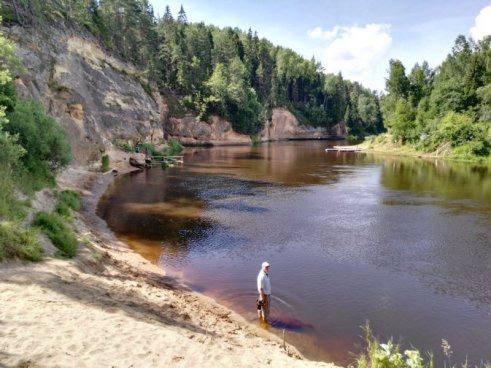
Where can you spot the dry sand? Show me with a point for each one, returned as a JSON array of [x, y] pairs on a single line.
[[109, 307]]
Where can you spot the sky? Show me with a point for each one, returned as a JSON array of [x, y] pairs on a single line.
[[355, 37]]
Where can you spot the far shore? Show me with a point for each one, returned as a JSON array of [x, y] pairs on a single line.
[[397, 149], [109, 307]]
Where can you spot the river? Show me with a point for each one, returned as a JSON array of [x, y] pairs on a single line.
[[351, 237]]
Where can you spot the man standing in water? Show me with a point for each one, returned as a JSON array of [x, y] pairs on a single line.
[[264, 289]]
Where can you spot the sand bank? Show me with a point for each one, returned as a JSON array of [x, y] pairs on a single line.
[[109, 307]]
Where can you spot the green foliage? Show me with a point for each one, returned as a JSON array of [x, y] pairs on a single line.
[[174, 147], [11, 151], [447, 110], [397, 84], [484, 95], [215, 71], [125, 146], [388, 355], [44, 141], [18, 242], [402, 122], [67, 200], [105, 163], [62, 236]]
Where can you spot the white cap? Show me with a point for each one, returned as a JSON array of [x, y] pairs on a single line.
[[265, 264]]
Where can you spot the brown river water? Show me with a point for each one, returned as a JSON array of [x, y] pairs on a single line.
[[401, 242]]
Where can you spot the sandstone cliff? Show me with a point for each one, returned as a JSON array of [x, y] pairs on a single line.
[[284, 125], [102, 101], [97, 98]]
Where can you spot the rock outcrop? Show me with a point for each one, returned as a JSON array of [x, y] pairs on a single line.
[[97, 98], [102, 101], [217, 132], [284, 125]]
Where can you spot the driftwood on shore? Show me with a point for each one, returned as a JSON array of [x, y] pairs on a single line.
[[134, 162]]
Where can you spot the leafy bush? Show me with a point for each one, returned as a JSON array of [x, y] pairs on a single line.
[[468, 138], [17, 242], [105, 163], [44, 141], [10, 154], [63, 237]]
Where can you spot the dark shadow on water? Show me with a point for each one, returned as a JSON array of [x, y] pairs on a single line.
[[290, 324], [240, 207]]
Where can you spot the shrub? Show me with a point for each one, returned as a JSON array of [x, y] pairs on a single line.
[[105, 163], [45, 142], [17, 242], [388, 355], [174, 146], [63, 237]]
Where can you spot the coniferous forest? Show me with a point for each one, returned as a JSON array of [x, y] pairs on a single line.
[[240, 76], [230, 72]]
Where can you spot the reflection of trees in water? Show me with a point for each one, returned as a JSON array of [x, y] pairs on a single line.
[[286, 163], [450, 180], [438, 214]]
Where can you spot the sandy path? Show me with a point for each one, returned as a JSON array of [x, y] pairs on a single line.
[[111, 308]]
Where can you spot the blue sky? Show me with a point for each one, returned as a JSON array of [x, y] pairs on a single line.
[[355, 37]]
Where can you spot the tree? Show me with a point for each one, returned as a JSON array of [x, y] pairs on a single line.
[[420, 80], [397, 84], [181, 16], [402, 122]]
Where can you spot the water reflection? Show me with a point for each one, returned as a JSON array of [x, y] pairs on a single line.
[[401, 242], [450, 180]]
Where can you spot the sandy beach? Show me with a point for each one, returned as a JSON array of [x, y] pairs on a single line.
[[109, 307]]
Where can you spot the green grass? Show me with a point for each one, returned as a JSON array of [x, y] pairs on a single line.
[[174, 147], [123, 145], [55, 227], [18, 242], [67, 200]]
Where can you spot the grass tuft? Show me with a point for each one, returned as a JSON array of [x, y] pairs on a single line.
[[18, 242], [63, 237], [68, 199]]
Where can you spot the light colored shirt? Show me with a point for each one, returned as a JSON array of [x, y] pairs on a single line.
[[263, 282]]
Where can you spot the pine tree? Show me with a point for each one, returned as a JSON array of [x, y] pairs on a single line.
[[181, 17]]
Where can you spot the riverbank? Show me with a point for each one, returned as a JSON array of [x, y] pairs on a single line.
[[384, 144], [110, 307]]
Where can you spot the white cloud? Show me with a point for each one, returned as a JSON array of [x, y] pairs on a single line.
[[357, 52], [317, 32], [483, 24]]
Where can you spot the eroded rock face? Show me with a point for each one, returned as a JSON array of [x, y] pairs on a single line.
[[97, 98], [191, 132], [284, 125], [101, 102]]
